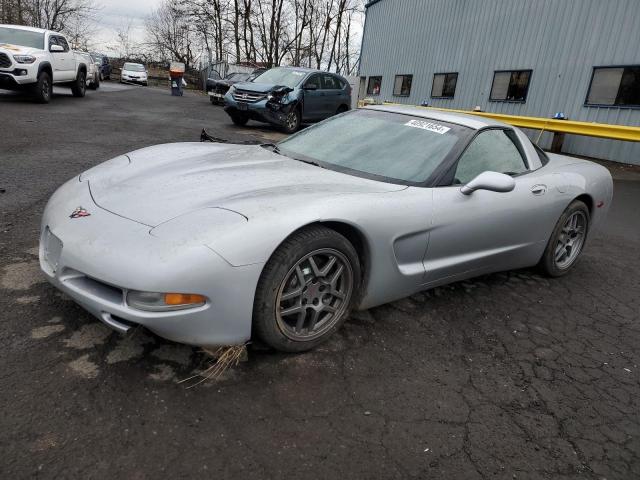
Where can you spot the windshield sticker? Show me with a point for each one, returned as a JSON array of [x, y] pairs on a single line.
[[432, 127]]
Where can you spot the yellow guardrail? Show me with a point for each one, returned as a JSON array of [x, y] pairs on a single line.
[[600, 130]]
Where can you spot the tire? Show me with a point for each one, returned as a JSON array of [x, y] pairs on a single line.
[[43, 89], [319, 312], [567, 240], [342, 109], [292, 123], [95, 84], [214, 101], [239, 119], [79, 87], [101, 77]]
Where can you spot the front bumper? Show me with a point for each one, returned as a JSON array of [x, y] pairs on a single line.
[[96, 259], [266, 111], [139, 81], [18, 76]]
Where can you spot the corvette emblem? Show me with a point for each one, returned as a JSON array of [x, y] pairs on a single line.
[[79, 212]]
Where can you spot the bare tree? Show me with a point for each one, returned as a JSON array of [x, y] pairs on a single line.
[[76, 18], [171, 34], [315, 33]]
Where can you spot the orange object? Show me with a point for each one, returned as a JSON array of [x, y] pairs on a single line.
[[183, 298]]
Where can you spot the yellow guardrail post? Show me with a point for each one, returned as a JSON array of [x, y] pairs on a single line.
[[572, 127]]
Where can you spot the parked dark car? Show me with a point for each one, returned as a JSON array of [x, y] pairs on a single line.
[[105, 66], [288, 96], [218, 87]]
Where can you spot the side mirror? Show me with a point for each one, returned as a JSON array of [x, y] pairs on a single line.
[[56, 48], [311, 86], [492, 181]]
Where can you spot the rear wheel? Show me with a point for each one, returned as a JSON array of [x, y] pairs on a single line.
[[79, 87], [342, 109], [43, 88], [239, 119], [567, 240], [214, 101], [306, 290]]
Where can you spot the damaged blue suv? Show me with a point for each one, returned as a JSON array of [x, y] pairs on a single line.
[[288, 96]]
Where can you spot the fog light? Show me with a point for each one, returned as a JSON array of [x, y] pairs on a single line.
[[161, 302]]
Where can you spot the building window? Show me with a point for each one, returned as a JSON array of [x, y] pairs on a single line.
[[444, 85], [615, 86], [402, 85], [374, 85], [510, 86]]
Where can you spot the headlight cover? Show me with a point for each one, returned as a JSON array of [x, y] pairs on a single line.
[[24, 58]]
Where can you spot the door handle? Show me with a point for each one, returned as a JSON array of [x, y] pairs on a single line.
[[539, 189]]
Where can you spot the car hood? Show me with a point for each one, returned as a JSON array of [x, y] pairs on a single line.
[[156, 184], [257, 87], [18, 49]]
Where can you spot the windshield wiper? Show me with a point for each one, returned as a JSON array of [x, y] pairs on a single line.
[[310, 162], [274, 148]]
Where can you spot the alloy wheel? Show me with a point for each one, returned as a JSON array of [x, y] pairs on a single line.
[[314, 294], [570, 240], [292, 120], [46, 89]]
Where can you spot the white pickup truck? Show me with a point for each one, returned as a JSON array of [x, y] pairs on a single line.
[[35, 59]]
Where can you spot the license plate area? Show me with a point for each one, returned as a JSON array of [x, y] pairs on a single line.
[[243, 106]]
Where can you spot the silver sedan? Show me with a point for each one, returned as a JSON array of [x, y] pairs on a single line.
[[209, 244]]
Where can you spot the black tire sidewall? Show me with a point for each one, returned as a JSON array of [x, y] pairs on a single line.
[[547, 263], [79, 87], [38, 88], [239, 119], [265, 325]]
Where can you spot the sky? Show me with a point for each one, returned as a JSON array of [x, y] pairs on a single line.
[[114, 14]]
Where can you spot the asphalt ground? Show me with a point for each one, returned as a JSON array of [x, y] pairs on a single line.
[[507, 376]]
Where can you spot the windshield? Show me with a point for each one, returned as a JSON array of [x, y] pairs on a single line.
[[237, 76], [281, 76], [24, 38], [378, 144], [133, 67]]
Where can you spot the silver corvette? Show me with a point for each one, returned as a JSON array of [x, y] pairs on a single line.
[[209, 244]]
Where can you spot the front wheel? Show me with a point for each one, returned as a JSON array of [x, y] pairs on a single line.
[[567, 240], [292, 122], [239, 119], [43, 88], [306, 290], [79, 87]]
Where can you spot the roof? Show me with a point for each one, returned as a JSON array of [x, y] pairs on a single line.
[[470, 121], [29, 29]]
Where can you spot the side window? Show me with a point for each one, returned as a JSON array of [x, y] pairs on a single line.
[[329, 82], [313, 80], [62, 42], [492, 150], [52, 41]]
